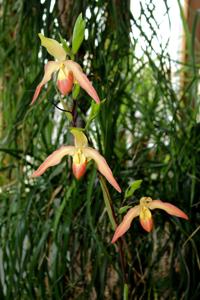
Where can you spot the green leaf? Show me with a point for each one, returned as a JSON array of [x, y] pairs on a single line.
[[123, 209], [60, 209], [95, 108], [132, 188], [78, 34], [107, 201]]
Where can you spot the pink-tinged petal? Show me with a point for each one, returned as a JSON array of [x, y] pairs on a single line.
[[79, 169], [65, 85], [147, 224], [145, 217], [102, 166], [49, 69], [54, 159], [126, 223], [53, 47], [169, 208], [82, 79], [79, 162], [36, 94]]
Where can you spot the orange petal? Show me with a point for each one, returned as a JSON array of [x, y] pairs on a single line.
[[145, 217], [54, 159], [53, 47], [126, 223], [82, 79], [147, 224], [49, 69], [65, 85], [169, 208], [102, 166], [79, 169]]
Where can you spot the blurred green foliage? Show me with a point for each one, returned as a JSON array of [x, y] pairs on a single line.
[[55, 233]]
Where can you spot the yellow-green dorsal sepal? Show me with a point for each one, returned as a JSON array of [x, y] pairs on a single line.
[[53, 47], [80, 140]]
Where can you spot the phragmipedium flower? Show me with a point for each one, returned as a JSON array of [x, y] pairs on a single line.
[[143, 211], [81, 154], [68, 71]]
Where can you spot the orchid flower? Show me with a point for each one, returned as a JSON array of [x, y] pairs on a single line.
[[81, 154], [143, 211], [68, 71]]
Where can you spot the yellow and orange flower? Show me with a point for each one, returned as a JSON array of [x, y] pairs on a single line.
[[81, 154], [68, 71], [143, 211]]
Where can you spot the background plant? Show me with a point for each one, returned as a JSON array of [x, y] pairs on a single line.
[[55, 233]]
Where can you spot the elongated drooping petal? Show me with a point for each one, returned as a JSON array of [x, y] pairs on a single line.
[[169, 208], [126, 223], [49, 69], [54, 159], [53, 47], [102, 166], [82, 79]]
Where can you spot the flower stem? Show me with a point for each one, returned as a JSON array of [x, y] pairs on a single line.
[[74, 113]]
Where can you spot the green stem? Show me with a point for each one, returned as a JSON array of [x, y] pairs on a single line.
[[125, 292]]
